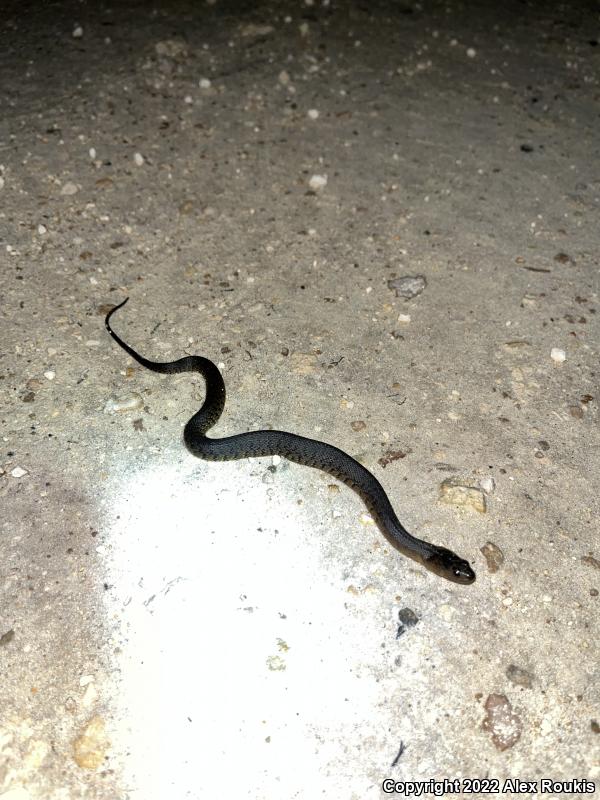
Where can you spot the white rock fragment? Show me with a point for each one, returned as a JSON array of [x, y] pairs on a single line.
[[18, 472], [317, 182], [69, 188], [405, 318], [115, 405], [139, 159], [488, 484], [276, 460], [187, 99], [558, 355], [42, 229], [92, 153], [313, 113], [205, 83], [471, 52], [77, 32], [50, 375], [284, 78]]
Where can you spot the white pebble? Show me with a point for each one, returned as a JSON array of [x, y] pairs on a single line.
[[92, 153], [77, 32], [471, 52], [488, 484], [276, 460], [205, 83], [42, 229], [188, 99], [558, 355], [139, 159], [1, 182], [404, 318], [18, 472], [313, 113], [284, 77], [116, 405], [69, 188], [50, 375], [317, 182]]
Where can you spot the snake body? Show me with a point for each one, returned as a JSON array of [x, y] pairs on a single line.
[[301, 450]]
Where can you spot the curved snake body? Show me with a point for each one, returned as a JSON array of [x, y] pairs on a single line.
[[308, 452]]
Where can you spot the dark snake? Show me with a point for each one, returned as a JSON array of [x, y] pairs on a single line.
[[309, 452]]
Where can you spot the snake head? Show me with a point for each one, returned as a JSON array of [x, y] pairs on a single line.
[[448, 565]]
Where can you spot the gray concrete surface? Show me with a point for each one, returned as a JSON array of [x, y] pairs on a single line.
[[178, 629]]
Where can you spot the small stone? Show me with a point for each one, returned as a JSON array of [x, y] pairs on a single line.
[[115, 405], [493, 556], [408, 619], [408, 286], [358, 425], [471, 52], [50, 375], [488, 484], [313, 113], [18, 472], [317, 182], [77, 32], [404, 318], [92, 153], [461, 493], [558, 355], [42, 229], [204, 83], [90, 747], [69, 188], [284, 78], [503, 725], [519, 676], [139, 159]]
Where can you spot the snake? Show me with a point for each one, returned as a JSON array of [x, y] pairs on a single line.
[[301, 450]]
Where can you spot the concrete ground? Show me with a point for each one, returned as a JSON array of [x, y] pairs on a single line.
[[257, 177]]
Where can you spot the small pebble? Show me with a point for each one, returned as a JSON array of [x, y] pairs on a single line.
[[408, 286], [488, 484], [69, 188], [457, 492], [204, 83], [519, 676], [405, 318], [317, 182], [503, 725], [92, 153], [557, 355], [77, 32], [493, 556], [50, 375], [114, 406], [139, 159], [471, 52], [42, 229], [18, 472], [313, 113]]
